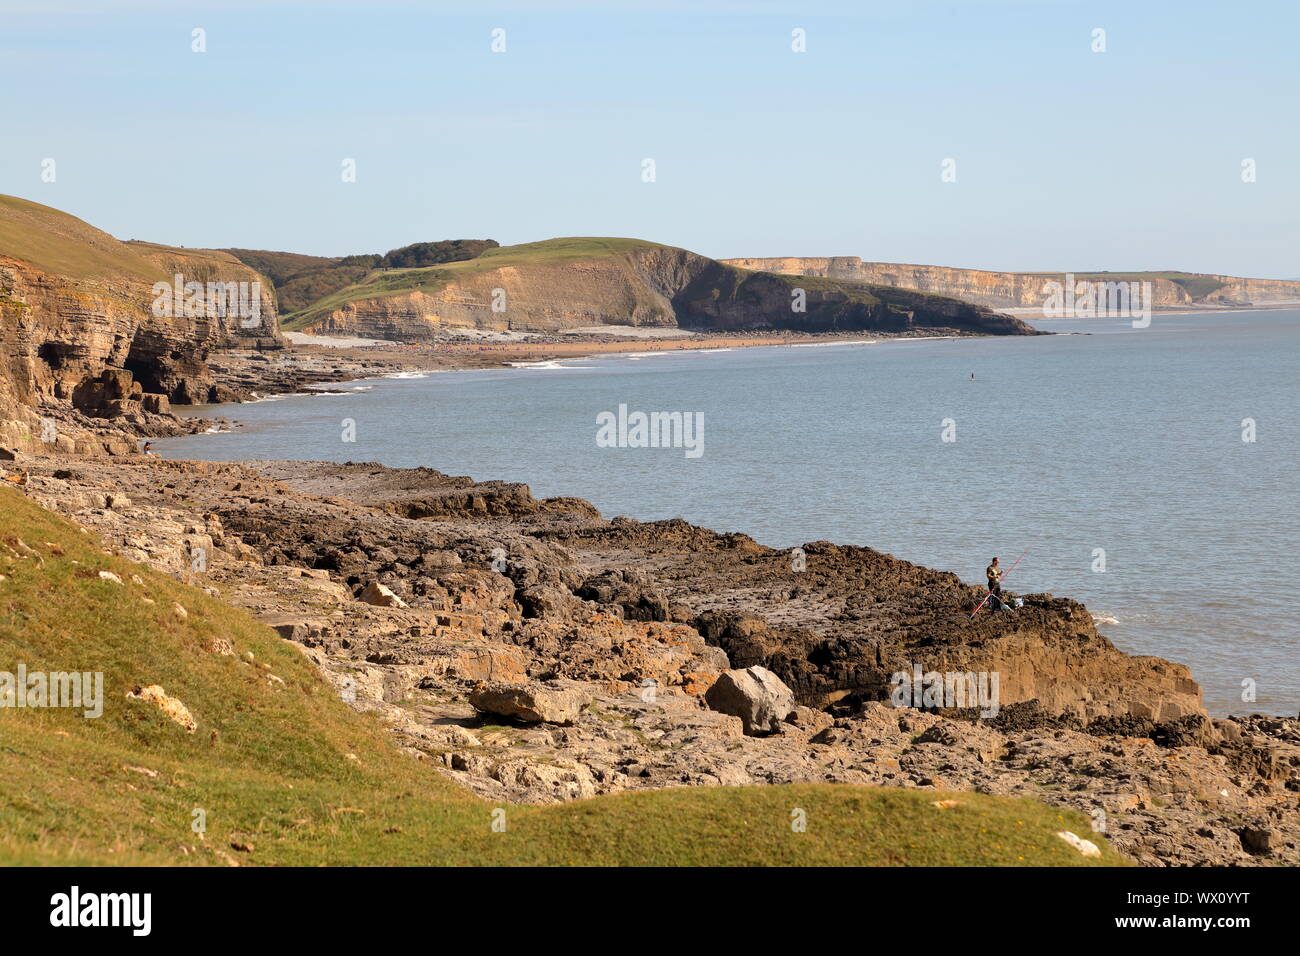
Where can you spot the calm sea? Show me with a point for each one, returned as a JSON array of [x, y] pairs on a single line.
[[1115, 457]]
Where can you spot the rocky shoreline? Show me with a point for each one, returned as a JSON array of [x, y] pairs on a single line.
[[538, 652], [247, 373]]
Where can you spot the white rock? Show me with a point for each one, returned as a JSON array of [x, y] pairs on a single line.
[[173, 708], [1086, 847]]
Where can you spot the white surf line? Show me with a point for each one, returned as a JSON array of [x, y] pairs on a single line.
[[552, 365]]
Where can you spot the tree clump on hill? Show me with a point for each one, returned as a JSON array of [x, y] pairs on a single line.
[[421, 254]]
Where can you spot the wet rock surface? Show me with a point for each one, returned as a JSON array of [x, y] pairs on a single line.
[[537, 652]]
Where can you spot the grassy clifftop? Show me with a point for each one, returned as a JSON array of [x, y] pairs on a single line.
[[285, 773], [58, 243], [301, 280], [380, 283]]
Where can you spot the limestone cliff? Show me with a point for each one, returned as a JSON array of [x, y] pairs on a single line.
[[572, 283], [1005, 290], [535, 293], [75, 302]]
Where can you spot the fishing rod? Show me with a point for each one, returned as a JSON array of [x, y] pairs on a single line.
[[1000, 580]]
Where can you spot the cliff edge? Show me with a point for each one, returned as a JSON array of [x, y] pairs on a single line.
[[114, 330], [1021, 290]]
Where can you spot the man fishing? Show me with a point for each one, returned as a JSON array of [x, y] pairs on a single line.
[[993, 599], [994, 574]]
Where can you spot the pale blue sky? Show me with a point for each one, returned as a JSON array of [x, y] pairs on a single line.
[[1065, 158]]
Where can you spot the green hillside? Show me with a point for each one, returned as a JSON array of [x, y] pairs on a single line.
[[60, 244], [55, 242], [301, 280], [285, 773], [397, 281]]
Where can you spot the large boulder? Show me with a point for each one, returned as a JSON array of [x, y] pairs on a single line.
[[631, 591], [111, 394], [747, 638], [552, 703], [189, 391], [380, 595], [156, 403], [754, 694], [550, 601], [221, 394]]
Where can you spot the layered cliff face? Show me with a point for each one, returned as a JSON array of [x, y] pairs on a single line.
[[1005, 290], [723, 297], [524, 288], [75, 302], [573, 283]]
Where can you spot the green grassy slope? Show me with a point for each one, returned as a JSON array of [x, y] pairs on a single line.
[[58, 243], [55, 242], [379, 283], [294, 776], [279, 267], [300, 280]]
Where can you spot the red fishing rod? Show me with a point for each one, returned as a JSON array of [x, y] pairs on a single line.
[[1000, 580]]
